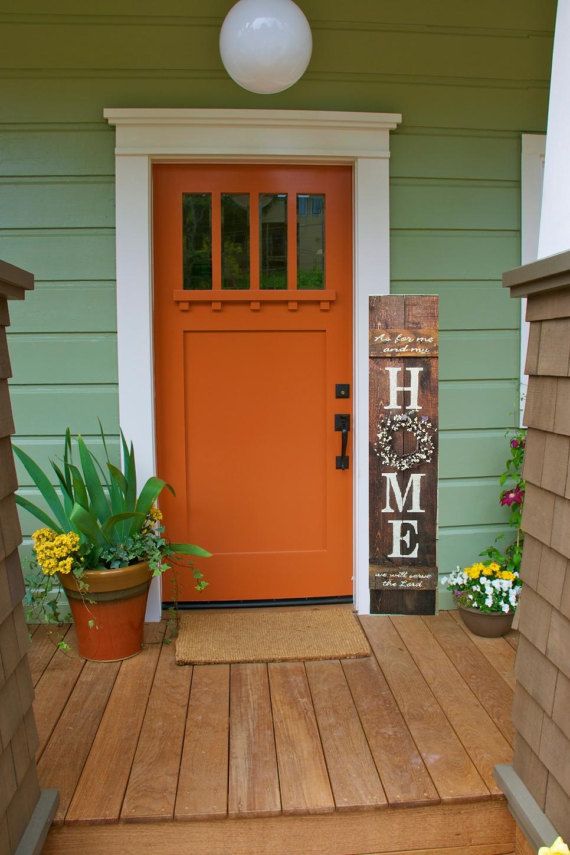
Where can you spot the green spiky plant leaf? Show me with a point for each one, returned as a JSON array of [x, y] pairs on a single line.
[[105, 510]]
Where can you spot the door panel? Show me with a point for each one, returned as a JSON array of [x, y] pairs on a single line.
[[253, 275]]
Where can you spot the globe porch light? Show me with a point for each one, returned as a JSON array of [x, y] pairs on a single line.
[[265, 45]]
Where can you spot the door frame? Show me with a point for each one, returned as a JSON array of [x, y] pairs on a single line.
[[146, 136]]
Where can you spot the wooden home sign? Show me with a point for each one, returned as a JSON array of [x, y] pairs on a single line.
[[403, 454]]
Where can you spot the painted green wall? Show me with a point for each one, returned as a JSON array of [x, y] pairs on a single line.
[[468, 79]]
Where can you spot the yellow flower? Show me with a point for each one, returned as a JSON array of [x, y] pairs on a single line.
[[42, 535], [487, 571], [496, 568], [557, 848], [474, 571], [55, 553], [507, 575]]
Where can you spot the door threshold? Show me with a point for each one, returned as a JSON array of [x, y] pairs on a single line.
[[253, 604]]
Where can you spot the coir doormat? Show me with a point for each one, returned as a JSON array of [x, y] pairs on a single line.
[[269, 635]]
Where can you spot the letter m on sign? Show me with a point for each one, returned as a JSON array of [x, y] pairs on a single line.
[[403, 445]]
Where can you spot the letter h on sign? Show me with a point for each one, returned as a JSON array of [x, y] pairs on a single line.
[[403, 376]]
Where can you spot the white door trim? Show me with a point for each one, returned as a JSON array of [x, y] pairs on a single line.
[[533, 147], [145, 136]]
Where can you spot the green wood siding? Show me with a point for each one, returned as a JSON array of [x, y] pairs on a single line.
[[468, 78]]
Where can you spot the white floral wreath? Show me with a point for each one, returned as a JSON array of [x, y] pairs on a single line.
[[419, 426]]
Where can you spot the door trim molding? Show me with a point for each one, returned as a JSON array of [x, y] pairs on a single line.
[[146, 136]]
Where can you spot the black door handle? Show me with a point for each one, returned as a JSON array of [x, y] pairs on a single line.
[[342, 425]]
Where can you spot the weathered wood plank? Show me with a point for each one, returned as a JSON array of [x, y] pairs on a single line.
[[477, 672], [98, 797], [54, 688], [203, 779], [303, 778], [479, 735], [253, 781], [62, 762], [449, 765], [46, 638], [151, 790], [354, 778], [403, 528], [384, 831], [498, 651], [404, 776]]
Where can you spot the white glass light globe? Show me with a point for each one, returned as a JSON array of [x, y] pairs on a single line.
[[265, 44]]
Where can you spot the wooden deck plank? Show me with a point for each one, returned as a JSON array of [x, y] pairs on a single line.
[[62, 761], [54, 688], [483, 680], [253, 780], [498, 651], [44, 647], [99, 795], [303, 778], [151, 790], [479, 735], [353, 775], [403, 774], [449, 765], [513, 638], [383, 831], [203, 779]]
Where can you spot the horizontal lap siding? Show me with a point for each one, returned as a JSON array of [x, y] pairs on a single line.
[[468, 79]]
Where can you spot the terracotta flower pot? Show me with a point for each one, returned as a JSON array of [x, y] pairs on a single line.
[[486, 624], [115, 603]]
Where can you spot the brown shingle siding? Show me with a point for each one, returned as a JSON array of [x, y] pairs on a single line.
[[541, 710]]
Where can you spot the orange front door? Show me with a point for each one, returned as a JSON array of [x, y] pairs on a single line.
[[253, 330]]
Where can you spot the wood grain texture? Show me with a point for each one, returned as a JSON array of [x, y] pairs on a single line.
[[151, 790], [478, 734], [64, 757], [303, 778], [388, 316], [476, 670], [98, 797], [404, 776], [46, 638], [54, 688], [253, 781], [498, 651], [353, 775], [203, 780], [384, 831], [449, 765], [391, 720]]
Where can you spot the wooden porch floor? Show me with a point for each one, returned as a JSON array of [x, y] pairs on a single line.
[[391, 753]]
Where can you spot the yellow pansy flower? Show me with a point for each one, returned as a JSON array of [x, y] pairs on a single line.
[[557, 848]]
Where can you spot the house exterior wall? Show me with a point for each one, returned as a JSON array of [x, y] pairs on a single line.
[[468, 79], [542, 669]]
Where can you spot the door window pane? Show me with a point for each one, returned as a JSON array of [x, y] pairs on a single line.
[[310, 241], [235, 241], [273, 240], [197, 241]]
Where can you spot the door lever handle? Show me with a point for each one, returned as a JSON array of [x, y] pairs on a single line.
[[342, 425]]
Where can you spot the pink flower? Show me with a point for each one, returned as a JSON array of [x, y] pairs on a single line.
[[512, 497]]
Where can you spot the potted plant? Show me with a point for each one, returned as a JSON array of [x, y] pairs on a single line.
[[487, 592], [105, 541]]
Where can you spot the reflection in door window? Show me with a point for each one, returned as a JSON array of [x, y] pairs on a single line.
[[310, 241], [197, 241], [273, 240], [235, 241]]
